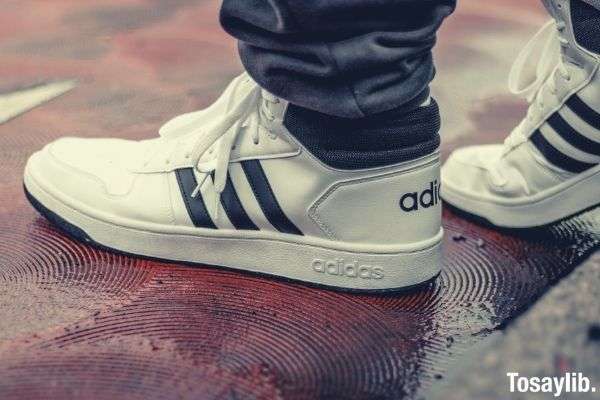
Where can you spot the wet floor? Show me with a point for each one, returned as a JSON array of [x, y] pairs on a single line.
[[76, 322]]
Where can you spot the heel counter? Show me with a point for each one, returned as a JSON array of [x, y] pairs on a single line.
[[399, 207]]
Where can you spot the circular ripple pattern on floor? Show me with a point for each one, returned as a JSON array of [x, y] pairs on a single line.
[[263, 338], [76, 322], [50, 279]]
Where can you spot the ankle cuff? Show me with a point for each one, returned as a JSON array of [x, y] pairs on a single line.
[[586, 25], [382, 139]]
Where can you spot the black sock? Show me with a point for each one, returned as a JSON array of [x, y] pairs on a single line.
[[392, 137]]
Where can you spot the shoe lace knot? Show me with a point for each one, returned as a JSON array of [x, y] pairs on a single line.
[[249, 110]]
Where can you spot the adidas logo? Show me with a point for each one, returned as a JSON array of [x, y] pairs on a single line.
[[428, 198], [351, 270]]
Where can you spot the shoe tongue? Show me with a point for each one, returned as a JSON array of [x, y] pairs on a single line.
[[269, 96], [275, 105], [426, 102], [183, 127]]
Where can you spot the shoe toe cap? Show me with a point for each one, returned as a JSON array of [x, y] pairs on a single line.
[[482, 172], [93, 175], [476, 156], [93, 165], [467, 168]]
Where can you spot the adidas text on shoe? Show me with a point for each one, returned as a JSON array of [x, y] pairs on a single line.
[[549, 167], [230, 186]]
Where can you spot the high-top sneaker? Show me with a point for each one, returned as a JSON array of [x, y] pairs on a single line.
[[232, 186], [548, 168]]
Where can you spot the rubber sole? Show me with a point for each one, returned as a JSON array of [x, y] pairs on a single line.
[[316, 265], [566, 200]]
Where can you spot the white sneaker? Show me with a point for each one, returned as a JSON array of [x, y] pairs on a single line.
[[230, 186], [548, 168]]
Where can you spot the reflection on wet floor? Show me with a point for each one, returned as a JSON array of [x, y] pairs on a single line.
[[79, 322], [133, 326]]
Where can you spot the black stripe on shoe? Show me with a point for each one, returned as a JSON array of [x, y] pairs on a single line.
[[571, 136], [233, 207], [266, 198], [584, 111], [194, 205], [556, 157]]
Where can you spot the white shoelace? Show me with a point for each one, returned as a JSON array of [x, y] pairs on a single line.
[[533, 72], [250, 111]]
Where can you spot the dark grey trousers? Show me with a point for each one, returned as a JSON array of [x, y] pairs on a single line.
[[347, 58]]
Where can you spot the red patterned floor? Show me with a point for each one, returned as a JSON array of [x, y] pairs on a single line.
[[80, 323]]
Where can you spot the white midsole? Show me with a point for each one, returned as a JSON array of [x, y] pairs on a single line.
[[569, 198], [337, 264]]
